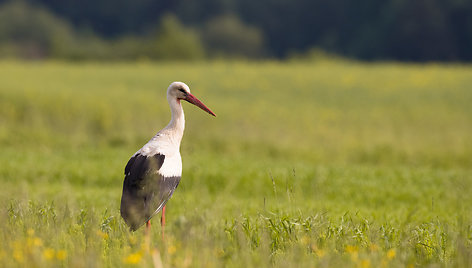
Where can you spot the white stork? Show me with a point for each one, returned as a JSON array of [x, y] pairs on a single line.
[[154, 171]]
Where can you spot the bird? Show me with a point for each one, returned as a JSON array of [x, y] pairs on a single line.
[[153, 173]]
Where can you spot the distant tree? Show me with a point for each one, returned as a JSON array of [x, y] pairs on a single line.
[[110, 19], [174, 41], [459, 18], [228, 36], [419, 30], [193, 12], [32, 32]]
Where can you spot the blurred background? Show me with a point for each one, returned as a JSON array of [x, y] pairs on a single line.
[[343, 136], [420, 30]]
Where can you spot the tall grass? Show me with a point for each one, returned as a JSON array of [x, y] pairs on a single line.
[[307, 164]]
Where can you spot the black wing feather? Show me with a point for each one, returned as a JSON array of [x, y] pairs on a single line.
[[145, 191]]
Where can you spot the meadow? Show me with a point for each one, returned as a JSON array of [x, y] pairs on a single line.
[[307, 164]]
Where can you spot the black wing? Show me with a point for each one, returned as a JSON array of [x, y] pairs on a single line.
[[145, 191]]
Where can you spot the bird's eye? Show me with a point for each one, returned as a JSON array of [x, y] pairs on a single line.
[[183, 91]]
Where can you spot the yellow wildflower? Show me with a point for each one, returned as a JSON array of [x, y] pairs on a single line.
[[29, 242], [37, 242], [102, 234], [353, 251], [61, 254], [320, 253], [18, 255], [365, 264], [374, 247], [133, 258], [30, 232], [391, 253], [49, 253], [172, 249], [34, 241]]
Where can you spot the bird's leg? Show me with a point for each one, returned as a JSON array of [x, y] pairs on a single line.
[[147, 234], [148, 227], [163, 221]]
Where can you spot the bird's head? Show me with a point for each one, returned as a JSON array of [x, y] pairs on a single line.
[[180, 91]]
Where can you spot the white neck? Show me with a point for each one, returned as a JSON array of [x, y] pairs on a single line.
[[176, 125]]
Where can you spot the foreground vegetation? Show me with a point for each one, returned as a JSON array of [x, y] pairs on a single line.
[[324, 164]]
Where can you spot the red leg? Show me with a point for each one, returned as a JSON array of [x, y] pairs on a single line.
[[163, 221], [147, 234]]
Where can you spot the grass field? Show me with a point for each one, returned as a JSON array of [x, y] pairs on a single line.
[[325, 164]]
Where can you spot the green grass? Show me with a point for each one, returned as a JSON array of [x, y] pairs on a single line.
[[328, 164]]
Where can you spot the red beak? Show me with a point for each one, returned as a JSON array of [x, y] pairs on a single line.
[[193, 100]]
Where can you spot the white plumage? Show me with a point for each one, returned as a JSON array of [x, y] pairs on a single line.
[[154, 171]]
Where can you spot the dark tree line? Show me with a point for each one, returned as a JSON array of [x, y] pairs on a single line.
[[411, 30]]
